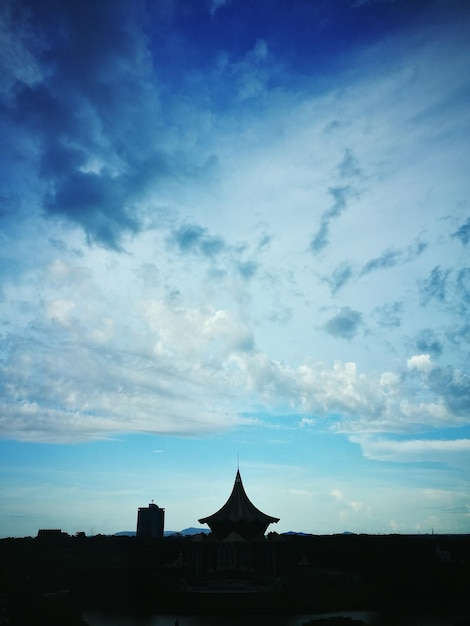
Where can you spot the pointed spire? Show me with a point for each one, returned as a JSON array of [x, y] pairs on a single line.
[[238, 515]]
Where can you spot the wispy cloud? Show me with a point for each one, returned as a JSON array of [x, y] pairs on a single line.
[[216, 5], [389, 315], [349, 166], [339, 277], [434, 287], [340, 197], [392, 257], [463, 284], [195, 239], [452, 452], [463, 233]]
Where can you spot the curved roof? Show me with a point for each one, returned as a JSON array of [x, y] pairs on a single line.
[[238, 515]]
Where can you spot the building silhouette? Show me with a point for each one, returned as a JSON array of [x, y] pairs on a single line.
[[237, 541], [150, 521], [238, 519]]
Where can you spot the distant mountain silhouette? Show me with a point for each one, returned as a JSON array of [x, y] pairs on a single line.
[[167, 533], [196, 531], [187, 531]]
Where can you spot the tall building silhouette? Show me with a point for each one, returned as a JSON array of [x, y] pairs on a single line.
[[150, 521]]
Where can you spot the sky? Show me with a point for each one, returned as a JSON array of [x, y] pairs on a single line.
[[235, 233]]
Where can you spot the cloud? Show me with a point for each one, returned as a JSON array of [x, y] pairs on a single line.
[[19, 46], [353, 505], [459, 336], [427, 342], [463, 284], [434, 287], [420, 362], [196, 142], [252, 74], [216, 5], [99, 143], [337, 494], [463, 232], [389, 315], [178, 370], [95, 378], [453, 386], [389, 258], [247, 269], [339, 277], [195, 239], [345, 324], [449, 451], [97, 203], [340, 197], [349, 166], [392, 257]]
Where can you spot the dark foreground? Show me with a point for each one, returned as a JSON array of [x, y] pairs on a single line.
[[52, 581]]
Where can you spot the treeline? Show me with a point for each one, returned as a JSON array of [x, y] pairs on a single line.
[[327, 572]]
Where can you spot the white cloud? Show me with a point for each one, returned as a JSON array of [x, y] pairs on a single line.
[[420, 362], [155, 365], [337, 494], [218, 4], [452, 452], [59, 310]]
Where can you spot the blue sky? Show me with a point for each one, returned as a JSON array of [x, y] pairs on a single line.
[[234, 228]]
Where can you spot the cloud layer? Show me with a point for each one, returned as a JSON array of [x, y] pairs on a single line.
[[199, 228]]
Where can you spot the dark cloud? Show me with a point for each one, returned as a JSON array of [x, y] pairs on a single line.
[[92, 114], [453, 386], [434, 287], [463, 233], [247, 269], [96, 202], [446, 285], [460, 336], [339, 277], [463, 284], [195, 239], [389, 315], [344, 325], [340, 196], [428, 343]]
